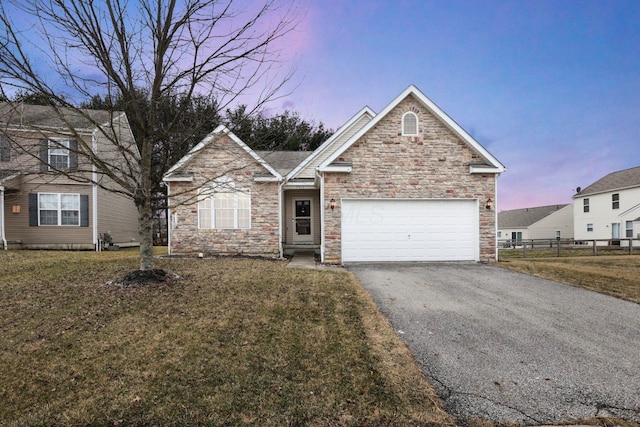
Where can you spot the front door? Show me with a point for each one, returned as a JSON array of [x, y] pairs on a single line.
[[302, 223]]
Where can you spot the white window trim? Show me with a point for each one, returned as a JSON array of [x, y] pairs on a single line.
[[59, 210], [404, 133], [64, 145], [222, 185]]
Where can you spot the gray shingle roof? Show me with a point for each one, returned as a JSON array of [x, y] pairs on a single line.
[[517, 218], [284, 161], [614, 181], [45, 117]]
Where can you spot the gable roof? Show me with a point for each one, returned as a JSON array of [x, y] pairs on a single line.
[[627, 178], [364, 114], [174, 175], [27, 116], [493, 166], [284, 161], [521, 218]]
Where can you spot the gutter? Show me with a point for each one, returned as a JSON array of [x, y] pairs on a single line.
[[4, 239]]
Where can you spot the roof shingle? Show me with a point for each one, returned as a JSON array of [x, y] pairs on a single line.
[[518, 218], [614, 181]]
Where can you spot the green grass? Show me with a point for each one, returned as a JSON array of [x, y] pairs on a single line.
[[618, 276], [232, 342]]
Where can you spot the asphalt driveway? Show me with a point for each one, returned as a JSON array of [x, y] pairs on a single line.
[[506, 346]]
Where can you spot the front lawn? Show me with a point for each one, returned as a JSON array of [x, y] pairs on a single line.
[[232, 342]]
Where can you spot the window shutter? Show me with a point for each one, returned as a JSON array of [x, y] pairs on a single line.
[[33, 209], [73, 155], [84, 210], [44, 155], [5, 150]]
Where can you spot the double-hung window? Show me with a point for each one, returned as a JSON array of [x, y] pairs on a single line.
[[615, 201], [585, 205], [629, 229], [222, 206], [58, 209], [59, 154], [590, 227]]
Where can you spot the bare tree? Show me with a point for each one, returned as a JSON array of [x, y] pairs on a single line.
[[64, 49]]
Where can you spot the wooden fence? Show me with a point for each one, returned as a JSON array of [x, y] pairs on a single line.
[[513, 248]]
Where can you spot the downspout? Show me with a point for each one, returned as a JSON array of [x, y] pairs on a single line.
[[4, 239], [280, 217], [94, 194], [322, 209], [495, 218], [169, 218]]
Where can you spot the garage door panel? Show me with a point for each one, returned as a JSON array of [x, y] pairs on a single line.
[[409, 230]]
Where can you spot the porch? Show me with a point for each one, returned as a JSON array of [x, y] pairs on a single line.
[[301, 221]]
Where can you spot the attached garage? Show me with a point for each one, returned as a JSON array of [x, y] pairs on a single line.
[[410, 230]]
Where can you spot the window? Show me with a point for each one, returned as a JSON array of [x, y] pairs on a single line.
[[615, 201], [59, 154], [410, 124], [589, 227], [224, 207], [58, 209], [629, 228], [557, 234], [499, 234], [585, 205], [5, 150]]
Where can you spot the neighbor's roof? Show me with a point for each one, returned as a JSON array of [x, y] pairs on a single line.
[[284, 161], [525, 217], [21, 115], [619, 180]]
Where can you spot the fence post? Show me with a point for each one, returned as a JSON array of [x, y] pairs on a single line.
[[524, 250], [630, 246], [558, 241], [595, 249]]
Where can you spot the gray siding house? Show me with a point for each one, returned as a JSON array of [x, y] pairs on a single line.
[[41, 208]]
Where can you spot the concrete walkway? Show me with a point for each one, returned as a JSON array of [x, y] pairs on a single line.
[[307, 261], [304, 260]]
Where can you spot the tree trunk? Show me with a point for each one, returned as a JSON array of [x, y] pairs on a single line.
[[145, 231], [142, 198]]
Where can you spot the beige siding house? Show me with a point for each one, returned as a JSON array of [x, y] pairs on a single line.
[[540, 222], [405, 184], [40, 207]]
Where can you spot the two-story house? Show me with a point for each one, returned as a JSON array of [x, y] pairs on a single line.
[[609, 208], [540, 222], [50, 196]]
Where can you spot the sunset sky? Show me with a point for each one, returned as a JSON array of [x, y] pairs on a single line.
[[551, 88]]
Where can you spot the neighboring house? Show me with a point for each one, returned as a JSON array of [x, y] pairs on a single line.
[[540, 222], [44, 209], [609, 208], [406, 184]]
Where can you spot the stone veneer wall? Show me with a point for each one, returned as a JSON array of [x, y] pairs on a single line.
[[225, 157], [434, 164]]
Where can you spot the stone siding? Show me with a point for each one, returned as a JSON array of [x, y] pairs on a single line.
[[434, 164], [224, 157]]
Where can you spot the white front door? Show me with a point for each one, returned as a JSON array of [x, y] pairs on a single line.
[[302, 221]]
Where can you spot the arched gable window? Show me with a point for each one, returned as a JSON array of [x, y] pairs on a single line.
[[410, 124], [222, 206]]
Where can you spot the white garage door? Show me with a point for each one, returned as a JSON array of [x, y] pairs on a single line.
[[410, 230]]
